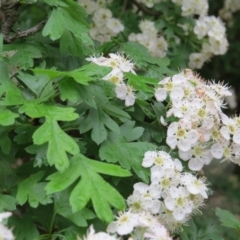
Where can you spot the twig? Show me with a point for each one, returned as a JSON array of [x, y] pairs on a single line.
[[26, 33], [9, 15], [146, 10]]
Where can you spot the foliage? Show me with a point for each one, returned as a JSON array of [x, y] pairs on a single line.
[[71, 149]]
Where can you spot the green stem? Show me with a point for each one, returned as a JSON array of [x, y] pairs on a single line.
[[52, 222]]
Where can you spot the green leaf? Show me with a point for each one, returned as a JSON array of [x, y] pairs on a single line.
[[91, 186], [24, 228], [207, 231], [35, 83], [25, 54], [7, 202], [141, 83], [7, 117], [59, 143], [69, 89], [97, 120], [5, 141], [120, 148], [32, 191], [227, 219], [83, 75], [62, 207], [13, 95], [141, 56], [55, 25], [62, 19]]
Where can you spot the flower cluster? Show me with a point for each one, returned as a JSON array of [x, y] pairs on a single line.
[[202, 131], [156, 45], [214, 29], [5, 233], [193, 7], [104, 25], [169, 201], [230, 7], [119, 65]]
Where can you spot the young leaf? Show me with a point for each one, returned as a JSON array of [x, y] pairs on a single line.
[[91, 186], [227, 219]]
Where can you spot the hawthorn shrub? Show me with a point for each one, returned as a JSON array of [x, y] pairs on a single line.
[[105, 127]]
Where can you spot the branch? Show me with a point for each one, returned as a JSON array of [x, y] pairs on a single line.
[[145, 10], [26, 33], [9, 15]]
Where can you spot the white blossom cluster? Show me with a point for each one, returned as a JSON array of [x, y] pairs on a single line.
[[230, 7], [168, 201], [104, 25], [5, 233], [202, 131], [149, 37], [193, 7], [119, 65], [212, 28]]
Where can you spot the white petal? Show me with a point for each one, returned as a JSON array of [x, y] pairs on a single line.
[[184, 145], [161, 94], [121, 91], [217, 150], [130, 100], [169, 203], [171, 141], [178, 79], [179, 214], [185, 155], [172, 129], [141, 187], [163, 122], [195, 164], [192, 136], [225, 133], [177, 93], [236, 137]]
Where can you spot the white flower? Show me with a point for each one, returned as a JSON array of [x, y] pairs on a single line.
[[194, 185], [115, 76], [230, 129], [125, 92], [198, 156], [157, 232], [145, 198], [165, 178], [160, 158], [196, 60], [181, 135], [115, 25], [5, 233], [124, 224], [178, 202], [91, 235]]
